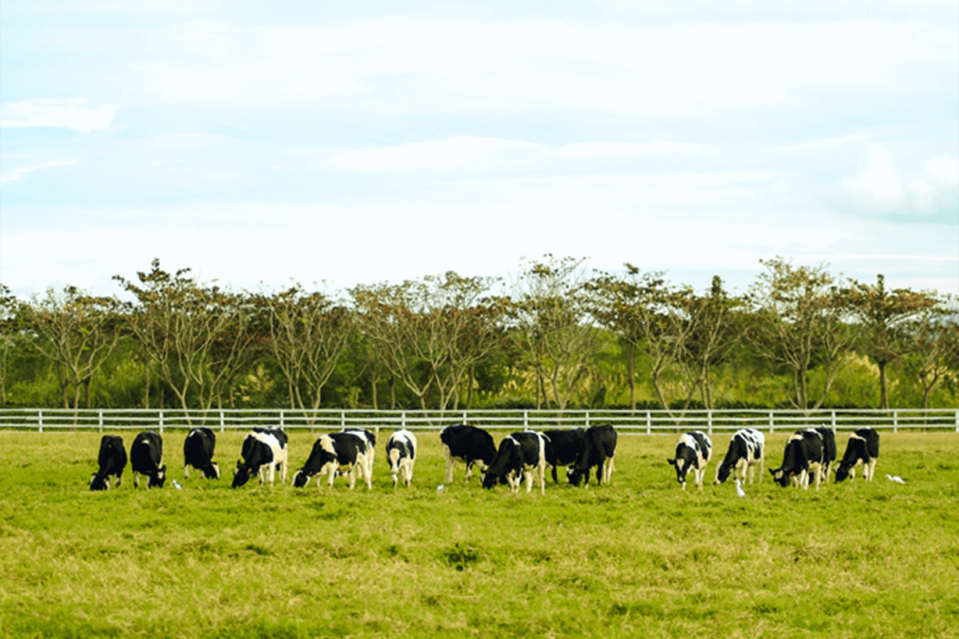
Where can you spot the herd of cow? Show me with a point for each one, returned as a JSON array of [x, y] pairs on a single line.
[[523, 455]]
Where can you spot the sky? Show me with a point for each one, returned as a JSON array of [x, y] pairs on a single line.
[[339, 144]]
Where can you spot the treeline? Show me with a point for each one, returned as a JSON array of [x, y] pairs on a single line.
[[556, 336]]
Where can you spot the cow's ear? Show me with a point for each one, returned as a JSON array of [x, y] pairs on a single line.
[[672, 462]]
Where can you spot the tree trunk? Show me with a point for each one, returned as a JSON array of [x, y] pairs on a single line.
[[631, 373], [883, 391], [469, 390]]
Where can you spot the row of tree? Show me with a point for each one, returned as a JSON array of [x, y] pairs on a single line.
[[440, 338]]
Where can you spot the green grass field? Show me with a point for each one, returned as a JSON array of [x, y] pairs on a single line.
[[638, 558]]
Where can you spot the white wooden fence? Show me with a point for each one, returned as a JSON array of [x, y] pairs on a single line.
[[647, 422]]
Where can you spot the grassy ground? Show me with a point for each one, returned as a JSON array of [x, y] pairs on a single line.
[[639, 558]]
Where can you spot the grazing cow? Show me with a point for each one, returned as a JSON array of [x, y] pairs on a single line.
[[146, 458], [370, 438], [747, 449], [562, 447], [198, 450], [522, 452], [693, 452], [828, 450], [862, 448], [112, 459], [346, 453], [401, 455], [599, 448], [467, 444], [804, 457], [264, 452]]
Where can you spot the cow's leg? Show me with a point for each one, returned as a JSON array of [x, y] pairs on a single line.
[[450, 464], [357, 468], [542, 477], [186, 471], [136, 479]]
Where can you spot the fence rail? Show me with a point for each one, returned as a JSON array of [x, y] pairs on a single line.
[[641, 422]]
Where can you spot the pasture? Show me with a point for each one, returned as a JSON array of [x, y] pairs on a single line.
[[637, 558]]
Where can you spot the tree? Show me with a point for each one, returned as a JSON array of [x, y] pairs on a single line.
[[932, 339], [431, 332], [552, 325], [717, 328], [77, 332], [802, 324], [10, 331], [185, 328], [308, 331], [883, 315]]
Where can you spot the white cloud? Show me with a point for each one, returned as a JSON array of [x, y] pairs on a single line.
[[944, 170], [428, 66], [70, 114], [883, 187], [474, 153], [19, 173]]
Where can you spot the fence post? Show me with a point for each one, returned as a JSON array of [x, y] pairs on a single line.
[[40, 420], [403, 419], [343, 419], [709, 422], [281, 420], [222, 425], [587, 419], [771, 421], [100, 419], [649, 422], [161, 421], [834, 422], [957, 421], [525, 420], [895, 421], [464, 417]]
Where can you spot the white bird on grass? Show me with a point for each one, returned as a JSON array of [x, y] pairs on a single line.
[[177, 484], [896, 478], [739, 489]]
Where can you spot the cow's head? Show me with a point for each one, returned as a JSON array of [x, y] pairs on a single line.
[[574, 476], [301, 479], [212, 471], [490, 479], [842, 472], [780, 476], [241, 474], [722, 473], [157, 478], [99, 483], [682, 467]]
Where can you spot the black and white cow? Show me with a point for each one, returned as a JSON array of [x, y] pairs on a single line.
[[146, 458], [520, 453], [401, 456], [346, 453], [599, 449], [562, 447], [747, 449], [828, 450], [467, 444], [693, 452], [264, 452], [198, 450], [803, 458], [370, 437], [862, 448], [112, 459]]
